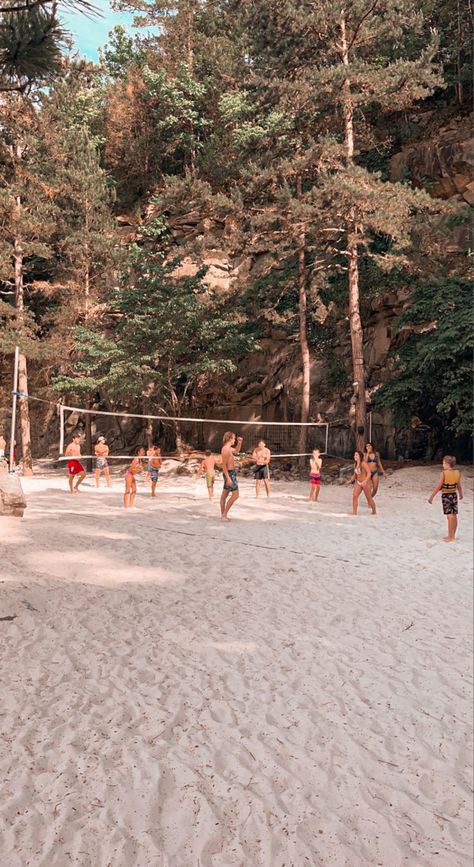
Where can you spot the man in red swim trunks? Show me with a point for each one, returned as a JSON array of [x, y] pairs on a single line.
[[74, 466]]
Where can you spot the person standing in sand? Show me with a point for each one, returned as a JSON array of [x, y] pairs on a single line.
[[130, 482], [154, 464], [208, 466], [74, 466], [231, 486], [262, 457], [449, 484], [361, 482], [315, 464], [101, 451], [375, 466]]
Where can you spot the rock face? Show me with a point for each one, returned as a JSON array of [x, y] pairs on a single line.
[[12, 498]]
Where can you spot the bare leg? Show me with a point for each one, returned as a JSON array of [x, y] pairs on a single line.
[[311, 492], [97, 477], [71, 484], [126, 496], [107, 476], [257, 487], [355, 498], [153, 489], [210, 492], [316, 492], [224, 496], [133, 493], [375, 485], [368, 497], [80, 480], [452, 527], [233, 497], [267, 486]]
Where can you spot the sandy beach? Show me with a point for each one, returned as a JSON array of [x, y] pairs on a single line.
[[291, 689]]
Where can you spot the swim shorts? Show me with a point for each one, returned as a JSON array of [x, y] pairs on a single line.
[[261, 471], [234, 485], [210, 477], [154, 474], [101, 463], [315, 478], [74, 468], [450, 504]]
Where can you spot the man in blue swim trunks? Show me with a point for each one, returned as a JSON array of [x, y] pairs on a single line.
[[231, 486]]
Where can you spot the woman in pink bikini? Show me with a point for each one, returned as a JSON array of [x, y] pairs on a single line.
[[130, 482], [361, 481]]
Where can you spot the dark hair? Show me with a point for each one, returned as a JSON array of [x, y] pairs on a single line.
[[208, 453]]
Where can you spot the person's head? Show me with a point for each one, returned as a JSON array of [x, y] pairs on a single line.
[[157, 450], [261, 444], [229, 437], [358, 457], [449, 462], [140, 452], [101, 439], [369, 447], [316, 453], [76, 438], [208, 453]]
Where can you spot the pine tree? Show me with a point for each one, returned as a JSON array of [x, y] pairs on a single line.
[[357, 60], [28, 215]]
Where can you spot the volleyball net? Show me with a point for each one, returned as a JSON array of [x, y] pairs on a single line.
[[180, 437]]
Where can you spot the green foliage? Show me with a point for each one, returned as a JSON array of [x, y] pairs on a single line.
[[172, 334], [30, 47], [433, 372]]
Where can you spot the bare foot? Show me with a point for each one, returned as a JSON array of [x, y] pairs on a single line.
[[447, 539]]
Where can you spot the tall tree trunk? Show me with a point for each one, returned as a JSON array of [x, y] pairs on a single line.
[[24, 409], [357, 336], [88, 421], [303, 333]]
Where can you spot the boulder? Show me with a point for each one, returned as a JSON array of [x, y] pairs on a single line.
[[12, 498]]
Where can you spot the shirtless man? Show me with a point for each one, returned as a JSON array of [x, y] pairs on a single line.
[[262, 456], [230, 474], [154, 463], [74, 466], [101, 463]]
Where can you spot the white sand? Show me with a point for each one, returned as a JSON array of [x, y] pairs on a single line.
[[291, 689]]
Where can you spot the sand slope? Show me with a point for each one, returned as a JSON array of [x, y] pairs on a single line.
[[293, 688]]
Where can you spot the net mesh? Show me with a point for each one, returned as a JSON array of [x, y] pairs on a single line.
[[179, 436]]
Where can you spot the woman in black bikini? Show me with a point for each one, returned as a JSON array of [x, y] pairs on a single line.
[[361, 482], [375, 464]]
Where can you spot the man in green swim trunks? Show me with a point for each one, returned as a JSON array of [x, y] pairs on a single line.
[[231, 487]]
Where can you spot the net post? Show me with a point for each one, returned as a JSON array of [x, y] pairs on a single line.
[[370, 427], [61, 429], [327, 438]]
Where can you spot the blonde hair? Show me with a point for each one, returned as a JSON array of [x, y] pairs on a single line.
[[228, 436], [450, 460]]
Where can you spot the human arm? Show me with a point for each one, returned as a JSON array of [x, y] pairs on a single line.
[[379, 464], [461, 496], [237, 448], [199, 470], [437, 489]]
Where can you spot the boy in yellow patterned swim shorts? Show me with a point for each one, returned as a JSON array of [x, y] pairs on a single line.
[[208, 466]]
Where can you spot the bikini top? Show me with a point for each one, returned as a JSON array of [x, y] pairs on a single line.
[[371, 460]]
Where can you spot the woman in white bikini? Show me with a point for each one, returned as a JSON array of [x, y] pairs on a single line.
[[130, 482], [361, 481]]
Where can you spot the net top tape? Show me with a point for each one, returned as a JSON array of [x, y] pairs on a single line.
[[237, 422]]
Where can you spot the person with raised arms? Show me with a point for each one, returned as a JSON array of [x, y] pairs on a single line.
[[231, 486]]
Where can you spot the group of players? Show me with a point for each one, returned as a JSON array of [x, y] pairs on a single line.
[[367, 467]]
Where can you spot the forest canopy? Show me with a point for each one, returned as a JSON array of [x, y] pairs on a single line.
[[259, 136]]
